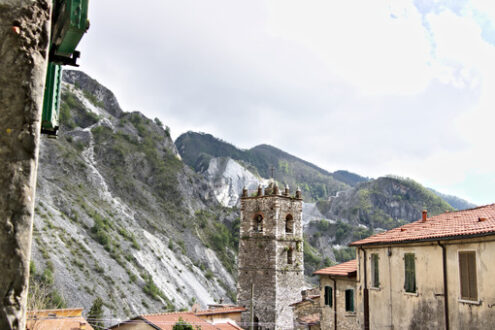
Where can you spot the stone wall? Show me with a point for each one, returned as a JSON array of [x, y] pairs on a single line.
[[24, 35], [345, 319], [263, 258]]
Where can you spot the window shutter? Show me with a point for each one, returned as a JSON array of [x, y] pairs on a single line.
[[409, 272], [349, 300], [467, 271], [473, 292]]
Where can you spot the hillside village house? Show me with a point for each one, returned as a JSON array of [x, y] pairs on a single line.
[[50, 319], [217, 318], [307, 310], [435, 273], [337, 299]]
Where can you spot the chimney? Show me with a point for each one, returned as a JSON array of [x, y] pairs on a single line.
[[425, 215], [244, 192], [304, 294]]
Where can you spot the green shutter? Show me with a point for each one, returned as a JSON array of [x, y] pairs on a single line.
[[349, 300], [328, 296], [376, 274], [409, 272]]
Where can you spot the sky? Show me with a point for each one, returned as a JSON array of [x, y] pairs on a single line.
[[373, 87]]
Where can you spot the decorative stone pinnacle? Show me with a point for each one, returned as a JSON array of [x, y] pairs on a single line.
[[260, 190], [244, 192], [287, 190], [298, 193]]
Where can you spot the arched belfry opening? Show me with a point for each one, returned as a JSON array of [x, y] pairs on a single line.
[[290, 257], [258, 223], [289, 224]]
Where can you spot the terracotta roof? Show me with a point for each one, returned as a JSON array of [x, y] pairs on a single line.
[[309, 319], [308, 298], [49, 319], [478, 221], [343, 269], [167, 320], [222, 310]]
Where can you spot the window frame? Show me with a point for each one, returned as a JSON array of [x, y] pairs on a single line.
[[258, 224], [410, 271], [475, 270], [289, 224], [375, 270], [349, 301], [328, 295], [290, 256]]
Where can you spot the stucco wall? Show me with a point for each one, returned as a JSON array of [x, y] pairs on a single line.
[[390, 306], [480, 315], [345, 320]]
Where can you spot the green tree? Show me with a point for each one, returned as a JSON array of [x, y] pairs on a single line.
[[95, 314], [182, 325]]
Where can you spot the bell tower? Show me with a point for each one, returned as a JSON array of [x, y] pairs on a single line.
[[270, 262]]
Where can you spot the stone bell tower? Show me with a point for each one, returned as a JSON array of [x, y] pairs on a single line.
[[270, 263]]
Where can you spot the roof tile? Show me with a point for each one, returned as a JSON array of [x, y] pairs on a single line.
[[343, 269], [449, 224]]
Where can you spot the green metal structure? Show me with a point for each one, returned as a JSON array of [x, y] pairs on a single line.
[[51, 100], [69, 23]]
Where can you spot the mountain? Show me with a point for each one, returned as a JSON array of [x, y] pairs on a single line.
[[120, 216], [126, 214], [456, 202], [198, 149], [340, 207]]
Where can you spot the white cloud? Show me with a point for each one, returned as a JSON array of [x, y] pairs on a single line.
[[376, 87]]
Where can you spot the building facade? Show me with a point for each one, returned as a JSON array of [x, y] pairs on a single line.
[[270, 261], [307, 310], [338, 288], [435, 273]]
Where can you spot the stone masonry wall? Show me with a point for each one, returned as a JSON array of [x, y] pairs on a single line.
[[263, 258]]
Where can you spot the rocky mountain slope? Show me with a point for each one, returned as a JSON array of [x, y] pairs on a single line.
[[119, 215], [340, 207], [198, 149], [125, 214]]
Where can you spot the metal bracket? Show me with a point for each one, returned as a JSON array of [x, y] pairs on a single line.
[[63, 60]]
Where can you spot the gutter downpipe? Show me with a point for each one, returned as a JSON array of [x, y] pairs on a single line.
[[334, 303], [445, 287], [365, 294]]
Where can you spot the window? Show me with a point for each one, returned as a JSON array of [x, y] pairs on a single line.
[[375, 275], [289, 256], [410, 272], [328, 296], [349, 300], [289, 224], [258, 223], [467, 272]]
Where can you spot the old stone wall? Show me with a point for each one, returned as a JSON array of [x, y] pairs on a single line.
[[345, 319], [271, 257], [24, 36], [305, 308]]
